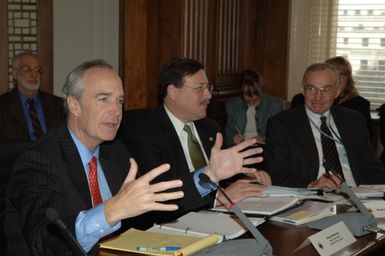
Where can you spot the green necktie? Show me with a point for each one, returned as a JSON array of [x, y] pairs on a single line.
[[196, 155]]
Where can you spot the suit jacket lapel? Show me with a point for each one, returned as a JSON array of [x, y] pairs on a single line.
[[307, 138], [171, 138], [17, 111], [206, 136], [75, 167], [110, 166]]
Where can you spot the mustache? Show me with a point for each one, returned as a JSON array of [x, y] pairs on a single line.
[[204, 102]]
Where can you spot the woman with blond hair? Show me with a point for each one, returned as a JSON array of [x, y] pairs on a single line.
[[349, 96]]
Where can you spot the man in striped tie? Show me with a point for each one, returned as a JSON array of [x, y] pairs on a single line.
[[27, 112], [306, 145]]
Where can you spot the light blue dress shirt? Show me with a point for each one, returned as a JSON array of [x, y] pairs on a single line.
[[39, 111], [91, 224]]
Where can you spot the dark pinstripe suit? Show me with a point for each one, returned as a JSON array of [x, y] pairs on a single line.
[[13, 125], [151, 138], [52, 175]]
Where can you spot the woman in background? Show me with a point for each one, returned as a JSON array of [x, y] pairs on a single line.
[[247, 115]]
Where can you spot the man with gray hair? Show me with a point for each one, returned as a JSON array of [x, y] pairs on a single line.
[[26, 112], [79, 170], [304, 144]]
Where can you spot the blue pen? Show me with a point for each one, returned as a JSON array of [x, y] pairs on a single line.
[[288, 221], [155, 248]]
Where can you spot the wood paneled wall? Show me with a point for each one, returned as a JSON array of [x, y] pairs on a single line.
[[226, 35]]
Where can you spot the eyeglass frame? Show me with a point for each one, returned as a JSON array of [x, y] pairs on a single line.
[[29, 69], [311, 90], [200, 89]]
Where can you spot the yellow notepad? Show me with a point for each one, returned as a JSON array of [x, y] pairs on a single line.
[[131, 239]]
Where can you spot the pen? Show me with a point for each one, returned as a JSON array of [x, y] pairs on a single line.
[[237, 129], [155, 248], [257, 182]]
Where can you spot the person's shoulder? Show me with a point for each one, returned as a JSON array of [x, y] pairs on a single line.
[[360, 100], [7, 96], [272, 101], [208, 124], [47, 145], [235, 102], [344, 112], [48, 96]]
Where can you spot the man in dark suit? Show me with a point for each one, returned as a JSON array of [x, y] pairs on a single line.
[[296, 154], [160, 136], [81, 172], [16, 122]]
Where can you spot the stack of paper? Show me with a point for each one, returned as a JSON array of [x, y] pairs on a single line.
[[264, 205], [309, 211], [131, 240], [204, 223]]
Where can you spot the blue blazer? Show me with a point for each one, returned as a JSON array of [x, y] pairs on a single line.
[[236, 115]]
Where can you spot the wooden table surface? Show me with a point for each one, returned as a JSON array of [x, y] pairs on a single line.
[[285, 238]]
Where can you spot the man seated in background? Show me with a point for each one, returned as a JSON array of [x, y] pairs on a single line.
[[81, 172], [179, 133], [27, 112], [304, 143], [247, 115]]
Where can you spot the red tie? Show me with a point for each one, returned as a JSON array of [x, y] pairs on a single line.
[[93, 183]]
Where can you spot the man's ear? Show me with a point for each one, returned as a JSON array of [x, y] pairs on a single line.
[[73, 106], [172, 91]]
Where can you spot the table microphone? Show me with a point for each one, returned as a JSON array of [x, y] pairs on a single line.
[[263, 246], [55, 218]]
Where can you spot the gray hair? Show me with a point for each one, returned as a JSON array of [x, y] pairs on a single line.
[[17, 57], [74, 85], [321, 66]]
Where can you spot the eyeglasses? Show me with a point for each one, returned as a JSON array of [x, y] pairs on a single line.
[[311, 90], [29, 69], [201, 88]]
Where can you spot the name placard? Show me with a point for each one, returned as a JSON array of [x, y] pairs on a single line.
[[332, 239]]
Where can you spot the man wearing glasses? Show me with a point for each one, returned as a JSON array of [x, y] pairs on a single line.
[[305, 144], [27, 112], [179, 133]]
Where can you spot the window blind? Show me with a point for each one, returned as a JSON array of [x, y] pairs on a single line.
[[354, 29]]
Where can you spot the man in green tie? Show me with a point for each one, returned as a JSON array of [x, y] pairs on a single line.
[[179, 133]]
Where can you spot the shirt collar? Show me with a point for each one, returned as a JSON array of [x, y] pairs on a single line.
[[316, 117], [24, 98], [85, 154], [176, 122]]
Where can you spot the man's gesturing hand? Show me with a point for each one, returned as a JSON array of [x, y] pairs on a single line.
[[136, 197], [225, 163]]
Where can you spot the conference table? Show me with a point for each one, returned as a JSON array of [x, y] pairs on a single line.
[[285, 238]]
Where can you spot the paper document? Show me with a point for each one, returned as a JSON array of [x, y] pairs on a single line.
[[288, 191], [369, 191], [309, 211], [130, 240], [204, 223], [264, 205]]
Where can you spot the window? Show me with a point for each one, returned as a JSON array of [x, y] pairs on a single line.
[[365, 41], [325, 28], [382, 42]]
